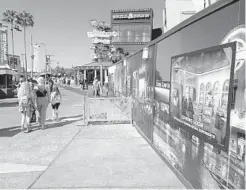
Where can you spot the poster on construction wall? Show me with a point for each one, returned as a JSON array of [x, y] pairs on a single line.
[[201, 93]]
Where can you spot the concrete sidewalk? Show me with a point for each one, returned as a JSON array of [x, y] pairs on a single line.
[[109, 156], [70, 155]]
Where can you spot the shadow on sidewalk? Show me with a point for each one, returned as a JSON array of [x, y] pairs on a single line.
[[8, 104], [12, 131]]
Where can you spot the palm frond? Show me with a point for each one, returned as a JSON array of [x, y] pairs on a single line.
[[25, 19], [9, 16]]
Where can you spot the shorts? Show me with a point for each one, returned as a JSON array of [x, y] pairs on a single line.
[[55, 106]]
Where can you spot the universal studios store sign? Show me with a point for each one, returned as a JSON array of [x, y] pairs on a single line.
[[131, 16]]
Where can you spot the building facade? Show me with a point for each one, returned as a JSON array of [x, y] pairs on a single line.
[[176, 11], [133, 28]]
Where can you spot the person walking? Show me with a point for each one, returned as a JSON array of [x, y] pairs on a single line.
[[25, 106], [33, 116], [55, 102], [51, 84], [96, 88], [42, 101]]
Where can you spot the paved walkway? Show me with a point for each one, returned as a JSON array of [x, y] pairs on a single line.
[[70, 155]]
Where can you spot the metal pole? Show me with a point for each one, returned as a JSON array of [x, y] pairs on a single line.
[[32, 48], [13, 54], [45, 77]]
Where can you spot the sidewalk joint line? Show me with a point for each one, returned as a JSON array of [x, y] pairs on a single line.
[[59, 154]]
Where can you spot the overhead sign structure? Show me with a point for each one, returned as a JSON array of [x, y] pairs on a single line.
[[101, 34]]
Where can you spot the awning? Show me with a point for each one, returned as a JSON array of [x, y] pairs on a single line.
[[8, 72]]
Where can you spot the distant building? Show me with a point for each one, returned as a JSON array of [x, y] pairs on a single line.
[[176, 11], [133, 27]]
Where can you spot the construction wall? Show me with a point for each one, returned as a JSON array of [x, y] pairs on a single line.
[[199, 162]]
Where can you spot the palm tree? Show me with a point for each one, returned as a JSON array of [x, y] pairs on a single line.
[[10, 17], [25, 19]]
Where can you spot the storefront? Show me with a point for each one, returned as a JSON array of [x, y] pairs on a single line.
[[133, 28]]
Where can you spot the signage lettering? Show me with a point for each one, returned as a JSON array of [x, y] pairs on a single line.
[[131, 16]]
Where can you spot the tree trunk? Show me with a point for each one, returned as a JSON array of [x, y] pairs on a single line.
[[13, 51], [25, 51]]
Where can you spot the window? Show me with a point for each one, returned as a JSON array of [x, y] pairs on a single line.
[[216, 94], [208, 94], [116, 28], [224, 99], [201, 98], [132, 32]]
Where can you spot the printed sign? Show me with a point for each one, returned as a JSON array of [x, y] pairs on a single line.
[[131, 16], [101, 34], [103, 41], [3, 47], [200, 88]]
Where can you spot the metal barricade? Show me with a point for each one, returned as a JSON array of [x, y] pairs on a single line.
[[117, 110]]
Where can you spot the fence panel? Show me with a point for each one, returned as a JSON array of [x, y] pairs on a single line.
[[108, 110]]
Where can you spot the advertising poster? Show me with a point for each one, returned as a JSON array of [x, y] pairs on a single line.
[[201, 93]]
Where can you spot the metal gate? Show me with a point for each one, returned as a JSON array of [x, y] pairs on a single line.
[[116, 110]]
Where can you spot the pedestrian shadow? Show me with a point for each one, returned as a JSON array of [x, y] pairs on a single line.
[[12, 131], [67, 118]]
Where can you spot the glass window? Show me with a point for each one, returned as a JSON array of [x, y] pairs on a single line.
[[123, 32], [138, 33], [116, 28], [225, 92], [208, 94], [216, 94], [146, 33], [201, 98]]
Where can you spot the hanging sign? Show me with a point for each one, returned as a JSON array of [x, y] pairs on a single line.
[[145, 53], [103, 41], [101, 34]]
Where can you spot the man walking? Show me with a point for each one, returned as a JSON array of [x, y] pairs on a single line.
[[96, 88]]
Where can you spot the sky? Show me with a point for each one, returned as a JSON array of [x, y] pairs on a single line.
[[63, 25]]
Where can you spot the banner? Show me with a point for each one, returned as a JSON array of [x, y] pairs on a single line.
[[201, 93]]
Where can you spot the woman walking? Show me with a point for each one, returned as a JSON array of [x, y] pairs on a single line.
[[43, 99], [25, 104], [55, 102]]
